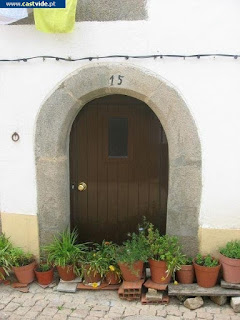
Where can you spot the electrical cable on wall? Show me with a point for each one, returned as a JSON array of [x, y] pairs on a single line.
[[155, 56]]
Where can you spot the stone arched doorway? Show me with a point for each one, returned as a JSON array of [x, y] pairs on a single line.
[[52, 144]]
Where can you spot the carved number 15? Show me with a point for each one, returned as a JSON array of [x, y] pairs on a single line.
[[119, 80]]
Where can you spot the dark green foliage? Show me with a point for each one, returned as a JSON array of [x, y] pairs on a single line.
[[20, 258], [206, 261], [64, 250], [231, 250]]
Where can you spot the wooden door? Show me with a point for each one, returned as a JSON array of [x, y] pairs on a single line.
[[119, 149]]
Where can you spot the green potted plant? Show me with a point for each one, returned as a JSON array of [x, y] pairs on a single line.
[[44, 273], [207, 269], [185, 274], [132, 255], [5, 256], [112, 271], [64, 253], [165, 255], [230, 260], [23, 264], [93, 265]]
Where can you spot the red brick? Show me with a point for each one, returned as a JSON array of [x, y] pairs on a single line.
[[157, 286], [164, 300]]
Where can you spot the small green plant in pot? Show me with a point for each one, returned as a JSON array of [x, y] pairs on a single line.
[[112, 271], [185, 274], [23, 264], [132, 255], [230, 260], [64, 253], [93, 265], [165, 255], [207, 269], [44, 273], [5, 256]]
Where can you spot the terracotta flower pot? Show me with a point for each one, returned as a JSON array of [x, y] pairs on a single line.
[[206, 276], [44, 277], [91, 277], [131, 273], [159, 271], [25, 274], [112, 277], [186, 274], [66, 273], [2, 274], [231, 269]]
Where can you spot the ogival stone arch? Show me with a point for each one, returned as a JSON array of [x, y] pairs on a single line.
[[53, 127]]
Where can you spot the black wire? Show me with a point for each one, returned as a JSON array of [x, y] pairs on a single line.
[[235, 56]]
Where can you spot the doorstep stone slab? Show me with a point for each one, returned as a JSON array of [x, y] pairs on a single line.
[[195, 290], [228, 285], [67, 287]]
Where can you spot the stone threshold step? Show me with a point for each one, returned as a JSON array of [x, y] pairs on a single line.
[[194, 290]]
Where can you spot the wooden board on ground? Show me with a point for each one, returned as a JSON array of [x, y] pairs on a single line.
[[194, 290], [228, 285], [103, 286]]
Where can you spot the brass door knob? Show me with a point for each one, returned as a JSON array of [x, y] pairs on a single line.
[[82, 186]]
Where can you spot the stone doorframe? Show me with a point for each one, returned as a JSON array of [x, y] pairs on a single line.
[[53, 128]]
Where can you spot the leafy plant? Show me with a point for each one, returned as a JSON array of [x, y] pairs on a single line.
[[231, 250], [19, 258], [44, 267], [164, 248], [108, 251], [133, 249], [64, 250], [206, 261], [94, 261], [5, 256], [186, 261]]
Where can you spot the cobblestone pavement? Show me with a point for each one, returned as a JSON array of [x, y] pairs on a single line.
[[45, 304]]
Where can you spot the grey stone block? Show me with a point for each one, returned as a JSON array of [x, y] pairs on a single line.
[[193, 303], [67, 287], [235, 304], [220, 300]]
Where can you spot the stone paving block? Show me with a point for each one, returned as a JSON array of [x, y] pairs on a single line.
[[5, 314], [22, 310], [2, 306], [81, 314], [99, 314], [49, 311], [15, 317], [222, 317], [11, 306], [204, 315], [29, 303], [235, 304], [37, 308], [31, 315], [161, 313], [189, 315], [60, 317], [67, 287], [100, 308]]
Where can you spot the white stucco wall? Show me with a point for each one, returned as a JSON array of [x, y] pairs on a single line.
[[209, 86]]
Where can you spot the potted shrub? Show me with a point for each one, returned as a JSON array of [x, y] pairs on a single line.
[[5, 256], [132, 255], [93, 266], [64, 253], [44, 273], [206, 269], [112, 272], [23, 265], [165, 255], [185, 274], [230, 260]]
